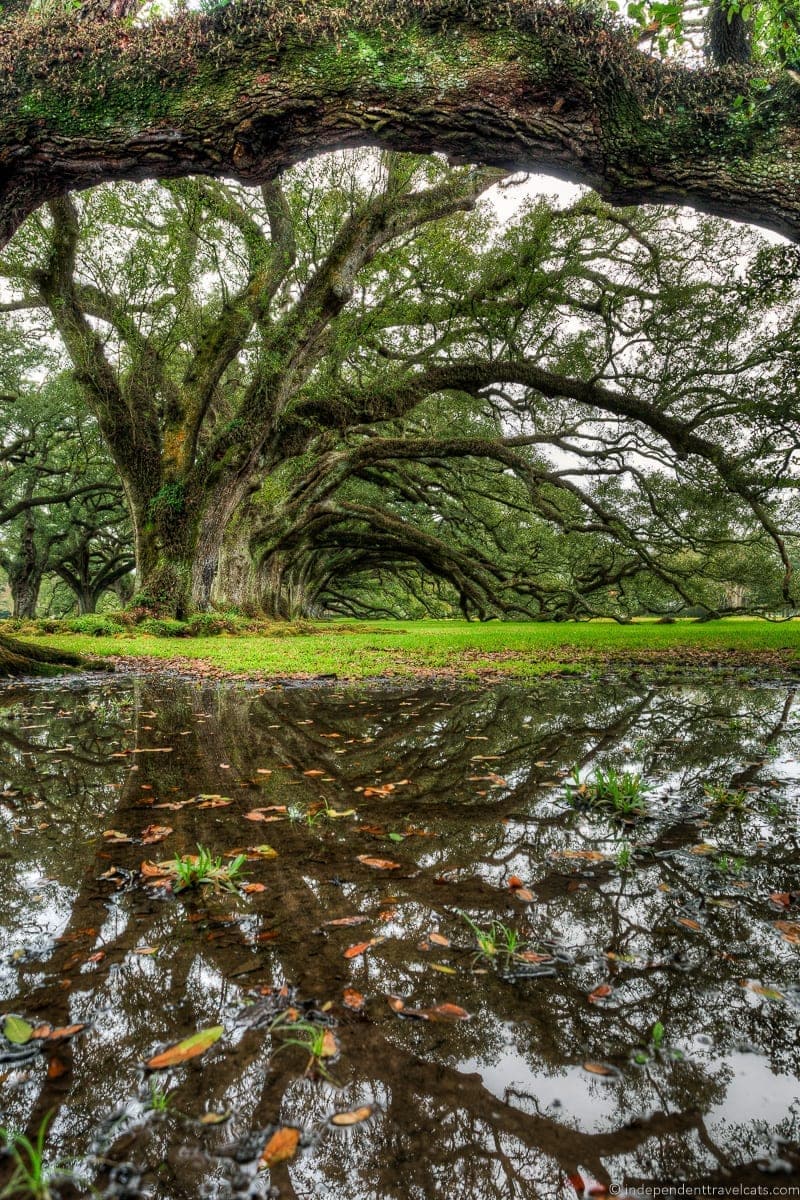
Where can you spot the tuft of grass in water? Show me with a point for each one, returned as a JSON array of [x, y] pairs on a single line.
[[498, 941], [204, 869], [624, 858], [315, 1039], [159, 1099], [723, 798], [31, 1177], [727, 865], [619, 793]]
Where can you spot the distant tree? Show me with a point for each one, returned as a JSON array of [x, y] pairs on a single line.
[[58, 495]]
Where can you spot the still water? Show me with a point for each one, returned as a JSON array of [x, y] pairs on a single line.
[[517, 994]]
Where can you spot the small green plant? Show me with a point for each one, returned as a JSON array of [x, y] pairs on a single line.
[[655, 1047], [624, 858], [317, 1040], [721, 797], [498, 941], [159, 1099], [621, 793], [203, 870], [727, 865], [31, 1177]]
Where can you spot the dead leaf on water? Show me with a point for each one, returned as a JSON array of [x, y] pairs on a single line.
[[603, 1069], [789, 931], [330, 1047], [769, 993], [359, 948], [581, 855], [353, 999], [155, 833], [190, 1047], [355, 1116], [602, 992], [380, 864], [280, 1147]]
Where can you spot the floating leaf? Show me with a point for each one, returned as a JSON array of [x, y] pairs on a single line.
[[600, 993], [515, 882], [598, 1068], [262, 851], [190, 1047], [355, 1116], [442, 969], [582, 855], [280, 1147], [313, 772], [353, 999], [438, 939], [395, 1003], [251, 888], [380, 864], [334, 815], [61, 1032], [17, 1031], [360, 947], [789, 931], [213, 1118], [356, 919], [448, 1012], [155, 833], [769, 993], [116, 838], [330, 1046]]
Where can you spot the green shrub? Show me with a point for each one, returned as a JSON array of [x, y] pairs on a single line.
[[94, 624], [165, 627]]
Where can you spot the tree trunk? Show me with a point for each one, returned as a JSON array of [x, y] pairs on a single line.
[[178, 543], [257, 85], [87, 602], [22, 658], [25, 595]]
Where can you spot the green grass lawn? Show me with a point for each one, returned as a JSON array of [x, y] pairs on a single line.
[[366, 649]]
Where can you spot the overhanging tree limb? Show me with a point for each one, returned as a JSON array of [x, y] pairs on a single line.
[[256, 86]]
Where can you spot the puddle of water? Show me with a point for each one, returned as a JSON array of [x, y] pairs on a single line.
[[667, 921]]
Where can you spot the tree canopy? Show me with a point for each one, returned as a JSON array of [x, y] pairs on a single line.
[[356, 371]]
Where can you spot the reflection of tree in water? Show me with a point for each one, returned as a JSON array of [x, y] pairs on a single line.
[[454, 1134]]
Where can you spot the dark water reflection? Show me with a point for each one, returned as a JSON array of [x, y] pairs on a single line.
[[500, 1106]]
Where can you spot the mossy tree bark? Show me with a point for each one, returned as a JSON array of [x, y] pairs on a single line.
[[258, 85]]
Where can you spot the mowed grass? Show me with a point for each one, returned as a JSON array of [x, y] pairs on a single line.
[[390, 648]]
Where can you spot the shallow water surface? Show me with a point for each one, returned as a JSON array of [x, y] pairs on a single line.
[[642, 1029]]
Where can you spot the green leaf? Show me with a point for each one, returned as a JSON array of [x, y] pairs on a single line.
[[396, 837], [17, 1031], [658, 1033]]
